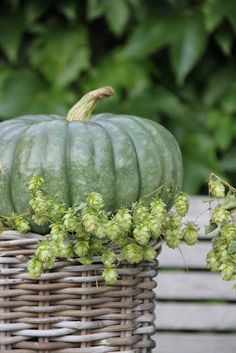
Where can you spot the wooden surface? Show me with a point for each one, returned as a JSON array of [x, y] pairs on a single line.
[[196, 309], [195, 343]]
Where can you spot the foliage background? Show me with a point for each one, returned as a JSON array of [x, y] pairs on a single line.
[[172, 61]]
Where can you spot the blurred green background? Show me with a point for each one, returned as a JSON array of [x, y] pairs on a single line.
[[172, 61]]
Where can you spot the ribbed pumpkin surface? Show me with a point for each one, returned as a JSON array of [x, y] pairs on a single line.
[[122, 157]]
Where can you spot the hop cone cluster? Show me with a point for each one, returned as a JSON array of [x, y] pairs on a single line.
[[222, 257], [87, 230]]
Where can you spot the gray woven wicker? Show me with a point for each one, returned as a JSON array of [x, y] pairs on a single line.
[[70, 309]]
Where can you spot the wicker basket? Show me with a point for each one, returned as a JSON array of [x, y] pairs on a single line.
[[70, 309]]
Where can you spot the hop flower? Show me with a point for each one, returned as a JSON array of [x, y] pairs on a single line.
[[40, 220], [142, 234], [100, 230], [48, 201], [68, 250], [63, 249], [140, 212], [101, 225], [70, 221], [61, 246], [155, 230], [35, 267], [36, 183], [132, 253], [216, 187], [44, 207], [113, 230], [227, 271], [56, 209], [158, 209], [219, 215], [123, 219], [45, 253], [122, 240], [219, 243], [221, 246], [228, 231], [154, 226], [81, 248], [38, 202], [174, 221], [57, 228], [21, 224], [213, 261], [96, 246], [224, 256], [149, 253], [190, 233], [110, 275], [182, 204], [95, 201], [108, 258], [173, 237], [90, 221], [86, 260]]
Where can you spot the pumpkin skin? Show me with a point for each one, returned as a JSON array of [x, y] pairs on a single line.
[[122, 157]]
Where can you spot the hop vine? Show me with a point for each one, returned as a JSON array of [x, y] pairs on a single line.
[[222, 257], [129, 234], [87, 230]]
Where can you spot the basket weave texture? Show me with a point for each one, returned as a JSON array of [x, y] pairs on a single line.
[[70, 309]]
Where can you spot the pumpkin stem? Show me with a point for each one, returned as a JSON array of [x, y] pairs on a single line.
[[84, 107]]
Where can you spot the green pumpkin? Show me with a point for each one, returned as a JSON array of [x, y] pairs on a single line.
[[122, 157]]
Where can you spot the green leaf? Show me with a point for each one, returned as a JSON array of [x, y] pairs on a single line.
[[95, 8], [18, 88], [12, 26], [213, 14], [188, 46], [24, 92], [117, 15], [195, 174], [199, 160], [219, 124], [218, 84], [228, 101], [34, 9], [119, 74], [68, 9], [229, 7], [225, 39], [232, 247], [14, 4], [228, 162], [168, 103], [52, 101], [61, 54], [216, 10], [150, 36]]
